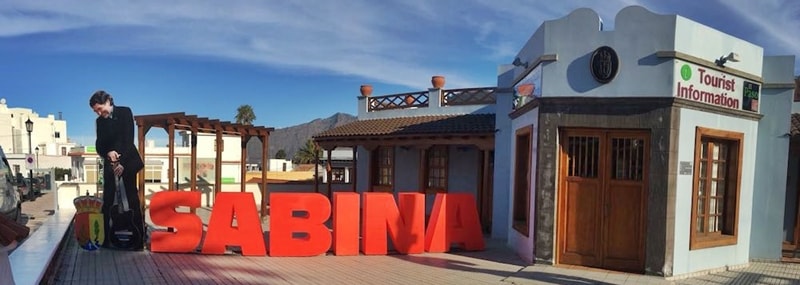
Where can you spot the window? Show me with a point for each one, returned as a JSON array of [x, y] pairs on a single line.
[[57, 135], [715, 199], [797, 89], [522, 180], [383, 171], [337, 175], [436, 180], [63, 151], [152, 173]]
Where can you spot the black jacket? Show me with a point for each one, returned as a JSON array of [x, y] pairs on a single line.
[[116, 133]]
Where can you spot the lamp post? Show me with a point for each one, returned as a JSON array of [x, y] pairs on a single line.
[[37, 157], [29, 128]]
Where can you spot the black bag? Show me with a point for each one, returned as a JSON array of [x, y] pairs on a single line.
[[123, 233]]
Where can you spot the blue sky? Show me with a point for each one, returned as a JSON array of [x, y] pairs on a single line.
[[294, 61]]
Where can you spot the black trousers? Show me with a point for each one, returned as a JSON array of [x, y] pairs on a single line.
[[109, 196]]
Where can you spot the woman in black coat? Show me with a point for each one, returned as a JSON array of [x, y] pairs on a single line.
[[120, 159]]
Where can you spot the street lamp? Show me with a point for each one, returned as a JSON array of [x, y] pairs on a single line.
[[29, 128], [37, 157]]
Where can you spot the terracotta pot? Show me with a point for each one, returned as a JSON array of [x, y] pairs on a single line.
[[525, 89], [410, 100], [366, 90], [437, 81]]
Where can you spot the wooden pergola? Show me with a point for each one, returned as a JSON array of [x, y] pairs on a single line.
[[180, 121]]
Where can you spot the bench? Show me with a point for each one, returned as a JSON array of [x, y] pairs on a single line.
[[31, 260]]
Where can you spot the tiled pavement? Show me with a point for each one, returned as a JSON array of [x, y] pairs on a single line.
[[496, 265]]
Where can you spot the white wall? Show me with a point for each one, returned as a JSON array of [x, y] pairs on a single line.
[[706, 43], [231, 154], [685, 260], [14, 136], [278, 164], [524, 246]]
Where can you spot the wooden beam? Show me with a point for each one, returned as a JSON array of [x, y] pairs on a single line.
[[329, 175], [171, 156], [243, 164], [316, 172], [218, 164], [264, 160], [193, 160]]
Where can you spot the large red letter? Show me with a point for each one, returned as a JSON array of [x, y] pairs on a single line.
[[406, 226], [283, 224], [454, 220], [247, 233], [188, 227], [345, 223]]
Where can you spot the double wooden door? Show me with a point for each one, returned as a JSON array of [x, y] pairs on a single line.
[[602, 195]]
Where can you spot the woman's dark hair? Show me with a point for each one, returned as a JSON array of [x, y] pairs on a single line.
[[100, 97]]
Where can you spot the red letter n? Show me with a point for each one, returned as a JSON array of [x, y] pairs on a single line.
[[406, 226]]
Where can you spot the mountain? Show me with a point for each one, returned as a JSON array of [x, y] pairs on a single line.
[[290, 139]]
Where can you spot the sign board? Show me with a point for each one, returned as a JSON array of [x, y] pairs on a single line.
[[716, 88], [29, 161], [685, 168]]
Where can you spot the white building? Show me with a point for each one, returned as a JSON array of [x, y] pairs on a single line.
[[48, 139]]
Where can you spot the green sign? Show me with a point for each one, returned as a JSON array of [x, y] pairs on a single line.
[[228, 180], [686, 72], [91, 149], [750, 95]]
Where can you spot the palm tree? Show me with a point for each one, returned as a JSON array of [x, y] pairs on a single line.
[[245, 115], [308, 153]]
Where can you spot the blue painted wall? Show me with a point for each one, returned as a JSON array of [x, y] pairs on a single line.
[[502, 153], [771, 160]]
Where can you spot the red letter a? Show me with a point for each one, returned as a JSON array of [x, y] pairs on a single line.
[[283, 224], [188, 227], [247, 233], [454, 220]]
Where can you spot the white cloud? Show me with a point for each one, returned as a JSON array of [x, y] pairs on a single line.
[[386, 42], [779, 21]]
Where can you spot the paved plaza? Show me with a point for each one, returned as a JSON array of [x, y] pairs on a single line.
[[496, 265]]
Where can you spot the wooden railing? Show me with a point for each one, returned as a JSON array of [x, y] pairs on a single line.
[[469, 96], [398, 101]]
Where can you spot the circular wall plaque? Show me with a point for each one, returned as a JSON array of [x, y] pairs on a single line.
[[604, 64]]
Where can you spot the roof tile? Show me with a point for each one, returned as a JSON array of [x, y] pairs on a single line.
[[438, 124]]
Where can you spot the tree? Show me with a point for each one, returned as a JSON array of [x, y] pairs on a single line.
[[245, 115], [281, 154], [307, 153]]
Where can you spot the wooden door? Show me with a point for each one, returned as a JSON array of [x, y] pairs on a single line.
[[602, 198]]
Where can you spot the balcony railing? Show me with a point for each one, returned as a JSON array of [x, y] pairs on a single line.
[[469, 96], [453, 97], [398, 101]]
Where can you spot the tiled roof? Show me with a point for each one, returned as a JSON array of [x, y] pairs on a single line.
[[439, 124], [794, 128]]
